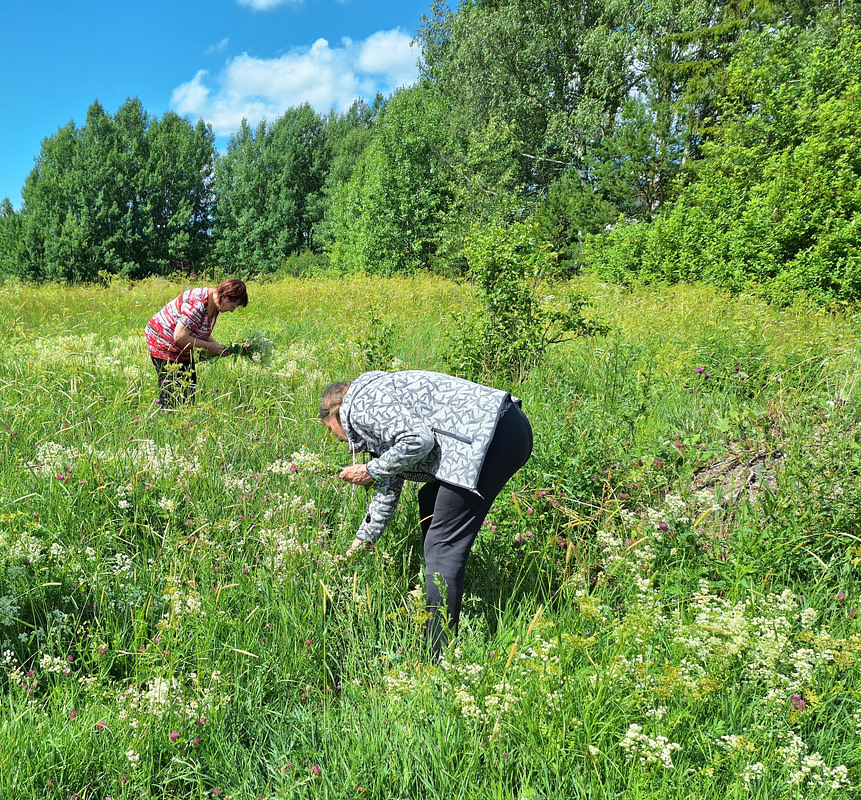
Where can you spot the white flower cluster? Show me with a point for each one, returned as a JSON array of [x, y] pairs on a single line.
[[647, 750], [808, 617], [752, 772], [402, 686], [309, 462], [671, 512], [155, 699], [184, 602], [809, 769], [144, 456], [54, 664], [291, 505], [724, 633], [814, 772], [52, 458], [15, 547], [165, 460], [738, 743], [161, 696], [283, 546], [123, 491], [239, 483], [282, 467], [535, 669]]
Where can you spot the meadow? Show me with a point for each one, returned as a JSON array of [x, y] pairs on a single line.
[[663, 602]]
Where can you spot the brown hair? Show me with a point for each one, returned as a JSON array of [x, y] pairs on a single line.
[[333, 396], [233, 290]]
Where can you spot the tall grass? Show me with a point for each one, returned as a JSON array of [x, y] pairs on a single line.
[[661, 604]]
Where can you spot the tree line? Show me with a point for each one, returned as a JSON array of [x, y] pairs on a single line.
[[663, 140]]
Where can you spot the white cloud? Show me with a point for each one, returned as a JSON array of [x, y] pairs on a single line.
[[388, 53], [267, 5], [323, 76], [220, 47]]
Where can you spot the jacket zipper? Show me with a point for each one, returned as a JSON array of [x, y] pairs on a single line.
[[463, 439]]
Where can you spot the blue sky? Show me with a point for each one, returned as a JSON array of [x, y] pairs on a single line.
[[219, 60]]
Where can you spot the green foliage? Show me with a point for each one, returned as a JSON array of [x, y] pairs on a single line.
[[385, 219], [773, 207], [303, 265], [552, 72], [11, 246], [268, 192], [508, 336], [126, 194], [376, 345], [347, 136]]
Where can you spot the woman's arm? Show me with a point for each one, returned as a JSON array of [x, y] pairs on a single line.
[[186, 340], [387, 492]]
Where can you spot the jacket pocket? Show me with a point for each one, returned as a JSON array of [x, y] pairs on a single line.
[[464, 439]]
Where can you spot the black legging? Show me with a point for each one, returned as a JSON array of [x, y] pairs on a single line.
[[451, 518], [177, 382]]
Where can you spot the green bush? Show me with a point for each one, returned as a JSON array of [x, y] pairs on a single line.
[[773, 208], [508, 336]]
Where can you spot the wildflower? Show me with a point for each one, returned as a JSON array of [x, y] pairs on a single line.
[[700, 370], [752, 772], [174, 736], [662, 526], [195, 742], [316, 770], [643, 748], [841, 596], [797, 701], [100, 725], [73, 714]]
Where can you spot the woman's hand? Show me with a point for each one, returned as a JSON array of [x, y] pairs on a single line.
[[356, 546], [356, 474]]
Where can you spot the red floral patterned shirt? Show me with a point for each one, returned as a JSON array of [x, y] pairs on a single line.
[[190, 308]]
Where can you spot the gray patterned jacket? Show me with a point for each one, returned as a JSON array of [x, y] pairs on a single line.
[[417, 425]]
